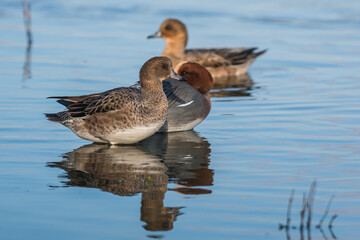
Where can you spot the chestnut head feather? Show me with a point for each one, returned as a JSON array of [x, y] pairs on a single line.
[[196, 75]]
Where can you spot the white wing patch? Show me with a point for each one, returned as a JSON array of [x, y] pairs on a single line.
[[185, 104]]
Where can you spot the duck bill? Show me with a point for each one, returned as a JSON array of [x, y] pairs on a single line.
[[176, 76], [155, 35]]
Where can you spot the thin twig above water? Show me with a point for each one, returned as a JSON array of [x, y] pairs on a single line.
[[307, 208], [27, 23], [27, 20]]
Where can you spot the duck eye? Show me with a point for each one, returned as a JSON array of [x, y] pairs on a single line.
[[168, 27], [164, 66], [183, 73]]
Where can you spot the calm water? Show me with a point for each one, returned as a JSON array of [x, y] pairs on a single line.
[[230, 178]]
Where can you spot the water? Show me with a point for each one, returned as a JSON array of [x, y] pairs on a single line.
[[230, 178]]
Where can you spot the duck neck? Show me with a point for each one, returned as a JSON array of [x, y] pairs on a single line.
[[175, 48], [152, 89]]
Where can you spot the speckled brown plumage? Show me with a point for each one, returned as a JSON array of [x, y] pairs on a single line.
[[100, 117]]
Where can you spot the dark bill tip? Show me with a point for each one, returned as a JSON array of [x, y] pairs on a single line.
[[155, 35], [176, 76]]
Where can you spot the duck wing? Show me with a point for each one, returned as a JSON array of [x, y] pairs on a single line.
[[182, 97], [67, 100], [81, 106], [187, 106], [216, 57], [177, 92]]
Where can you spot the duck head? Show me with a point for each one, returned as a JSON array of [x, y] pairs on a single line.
[[172, 30], [154, 71], [196, 75]]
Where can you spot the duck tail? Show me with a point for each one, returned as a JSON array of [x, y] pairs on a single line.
[[53, 117], [246, 56], [259, 53], [64, 102]]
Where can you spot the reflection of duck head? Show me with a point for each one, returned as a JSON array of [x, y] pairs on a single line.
[[187, 160], [234, 86], [144, 168]]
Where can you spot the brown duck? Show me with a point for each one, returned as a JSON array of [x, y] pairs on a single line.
[[220, 62], [122, 115]]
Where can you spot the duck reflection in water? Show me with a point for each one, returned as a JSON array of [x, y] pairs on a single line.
[[235, 86], [181, 158]]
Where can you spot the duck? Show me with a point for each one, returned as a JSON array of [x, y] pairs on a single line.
[[220, 62], [188, 97], [189, 100], [122, 115]]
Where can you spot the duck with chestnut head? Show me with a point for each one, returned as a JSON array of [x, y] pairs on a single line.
[[122, 115], [189, 101], [220, 62]]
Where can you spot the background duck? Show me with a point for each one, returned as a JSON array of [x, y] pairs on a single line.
[[220, 62], [122, 115], [189, 101]]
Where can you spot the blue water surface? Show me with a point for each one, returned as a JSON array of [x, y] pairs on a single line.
[[232, 176]]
